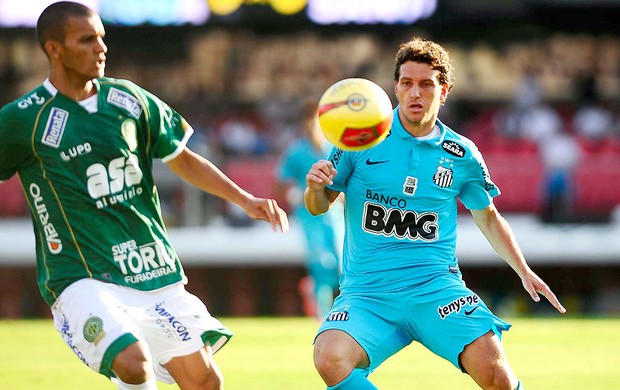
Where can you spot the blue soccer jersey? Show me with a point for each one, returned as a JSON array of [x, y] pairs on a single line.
[[401, 206]]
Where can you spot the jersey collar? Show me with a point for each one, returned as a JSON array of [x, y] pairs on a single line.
[[399, 129], [53, 91], [50, 87]]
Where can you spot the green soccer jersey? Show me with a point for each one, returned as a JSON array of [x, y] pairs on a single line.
[[87, 175]]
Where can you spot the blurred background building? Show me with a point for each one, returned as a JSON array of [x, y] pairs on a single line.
[[537, 88]]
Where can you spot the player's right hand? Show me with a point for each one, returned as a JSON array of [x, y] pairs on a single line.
[[320, 175]]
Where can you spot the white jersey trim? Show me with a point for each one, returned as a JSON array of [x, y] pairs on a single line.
[[188, 133], [50, 87]]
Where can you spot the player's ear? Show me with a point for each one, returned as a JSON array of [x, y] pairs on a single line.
[[52, 48], [443, 95]]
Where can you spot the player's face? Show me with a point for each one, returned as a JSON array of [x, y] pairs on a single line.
[[82, 54], [420, 95]]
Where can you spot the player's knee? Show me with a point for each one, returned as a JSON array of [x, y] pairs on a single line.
[[133, 365], [331, 363], [499, 377], [216, 382], [210, 380]]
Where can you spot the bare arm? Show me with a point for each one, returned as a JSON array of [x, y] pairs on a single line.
[[499, 234], [203, 174], [317, 198]]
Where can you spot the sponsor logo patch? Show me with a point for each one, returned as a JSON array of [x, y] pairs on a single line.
[[124, 100], [453, 148], [54, 244], [402, 224], [410, 185], [458, 304], [67, 336], [55, 127], [170, 325]]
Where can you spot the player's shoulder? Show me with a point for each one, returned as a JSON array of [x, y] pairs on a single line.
[[457, 144], [26, 106], [128, 86], [113, 81], [124, 94]]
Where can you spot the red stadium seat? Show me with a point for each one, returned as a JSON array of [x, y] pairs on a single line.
[[255, 174], [519, 177], [597, 180], [12, 201]]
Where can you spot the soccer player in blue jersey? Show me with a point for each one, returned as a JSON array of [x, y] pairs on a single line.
[[83, 146], [401, 280], [323, 234]]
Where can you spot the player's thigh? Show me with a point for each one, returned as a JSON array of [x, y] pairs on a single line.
[[485, 361], [196, 370], [452, 318], [373, 321], [94, 323], [177, 323]]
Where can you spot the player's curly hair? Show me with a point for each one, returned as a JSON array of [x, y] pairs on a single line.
[[427, 52]]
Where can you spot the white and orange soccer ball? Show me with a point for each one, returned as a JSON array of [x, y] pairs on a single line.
[[355, 114]]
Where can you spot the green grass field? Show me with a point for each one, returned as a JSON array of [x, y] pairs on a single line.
[[275, 353]]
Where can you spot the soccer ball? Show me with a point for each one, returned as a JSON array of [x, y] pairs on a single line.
[[355, 114]]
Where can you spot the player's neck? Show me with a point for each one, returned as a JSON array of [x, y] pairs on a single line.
[[73, 88], [420, 129]]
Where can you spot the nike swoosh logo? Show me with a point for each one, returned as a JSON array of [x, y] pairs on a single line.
[[368, 162], [469, 312]]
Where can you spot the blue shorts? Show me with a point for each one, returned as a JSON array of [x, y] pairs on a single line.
[[442, 314]]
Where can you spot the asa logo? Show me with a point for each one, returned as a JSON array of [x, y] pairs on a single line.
[[115, 183]]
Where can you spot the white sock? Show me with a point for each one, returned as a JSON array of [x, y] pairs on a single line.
[[151, 384]]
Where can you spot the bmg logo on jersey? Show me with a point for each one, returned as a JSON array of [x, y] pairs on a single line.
[[379, 219], [144, 262], [116, 183], [55, 127]]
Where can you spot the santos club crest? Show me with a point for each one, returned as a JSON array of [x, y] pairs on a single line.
[[443, 177]]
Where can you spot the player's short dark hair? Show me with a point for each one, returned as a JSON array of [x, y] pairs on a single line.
[[52, 21], [426, 52]]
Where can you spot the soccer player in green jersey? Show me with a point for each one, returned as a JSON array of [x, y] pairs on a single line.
[[83, 146]]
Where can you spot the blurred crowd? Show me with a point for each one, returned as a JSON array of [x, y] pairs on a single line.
[[554, 99]]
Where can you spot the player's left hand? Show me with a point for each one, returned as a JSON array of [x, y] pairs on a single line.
[[267, 210], [534, 285]]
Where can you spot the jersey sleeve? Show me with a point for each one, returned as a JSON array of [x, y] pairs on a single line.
[[284, 169], [478, 190], [169, 131], [343, 163], [14, 146]]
